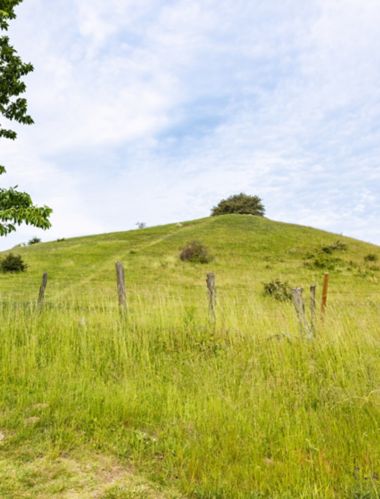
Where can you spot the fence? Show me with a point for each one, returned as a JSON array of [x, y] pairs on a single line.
[[307, 326]]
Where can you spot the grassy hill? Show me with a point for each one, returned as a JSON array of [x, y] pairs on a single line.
[[226, 410], [248, 251]]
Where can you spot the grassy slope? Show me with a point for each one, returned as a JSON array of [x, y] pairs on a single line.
[[248, 250], [214, 412]]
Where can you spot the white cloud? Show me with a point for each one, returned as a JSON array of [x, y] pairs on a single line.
[[160, 108]]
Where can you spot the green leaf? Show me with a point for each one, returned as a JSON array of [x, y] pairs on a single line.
[[16, 207]]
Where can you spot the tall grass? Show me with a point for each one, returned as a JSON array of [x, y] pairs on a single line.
[[243, 408]]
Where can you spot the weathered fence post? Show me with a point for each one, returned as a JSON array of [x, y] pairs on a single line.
[[313, 305], [324, 294], [41, 294], [211, 295], [300, 307], [120, 276]]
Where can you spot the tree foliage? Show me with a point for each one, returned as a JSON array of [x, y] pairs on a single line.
[[34, 240], [240, 203], [15, 207]]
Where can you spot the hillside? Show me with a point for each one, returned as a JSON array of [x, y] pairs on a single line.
[[161, 402], [248, 251]]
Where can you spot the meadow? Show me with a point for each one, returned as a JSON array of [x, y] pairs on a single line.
[[163, 402]]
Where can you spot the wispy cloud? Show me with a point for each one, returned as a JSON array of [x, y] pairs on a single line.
[[153, 110]]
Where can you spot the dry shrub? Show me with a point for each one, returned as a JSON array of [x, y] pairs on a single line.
[[195, 252]]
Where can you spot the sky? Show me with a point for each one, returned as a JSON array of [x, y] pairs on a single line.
[[153, 111]]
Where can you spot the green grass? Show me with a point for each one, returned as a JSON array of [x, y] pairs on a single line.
[[235, 409]]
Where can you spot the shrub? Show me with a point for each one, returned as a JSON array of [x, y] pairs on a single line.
[[371, 258], [60, 240], [195, 252], [34, 240], [323, 262], [278, 290], [241, 204], [374, 268], [337, 246], [13, 263], [321, 259]]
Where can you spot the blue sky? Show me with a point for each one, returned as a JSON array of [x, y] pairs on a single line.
[[151, 110]]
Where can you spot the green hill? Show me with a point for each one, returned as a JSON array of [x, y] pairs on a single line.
[[248, 251], [164, 402]]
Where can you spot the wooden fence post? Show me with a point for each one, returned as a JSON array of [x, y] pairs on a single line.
[[41, 294], [324, 294], [120, 276], [300, 307], [211, 295], [313, 305]]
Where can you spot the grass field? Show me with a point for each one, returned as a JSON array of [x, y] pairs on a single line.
[[164, 403]]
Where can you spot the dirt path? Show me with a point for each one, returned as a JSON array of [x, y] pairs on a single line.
[[108, 262]]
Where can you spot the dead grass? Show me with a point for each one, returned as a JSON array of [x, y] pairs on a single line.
[[76, 476]]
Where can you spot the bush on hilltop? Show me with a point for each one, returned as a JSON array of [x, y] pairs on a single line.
[[242, 204]]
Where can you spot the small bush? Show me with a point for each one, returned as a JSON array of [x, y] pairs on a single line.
[[374, 268], [321, 259], [337, 246], [195, 252], [34, 240], [323, 262], [278, 290], [13, 263], [371, 258], [60, 240], [241, 204]]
